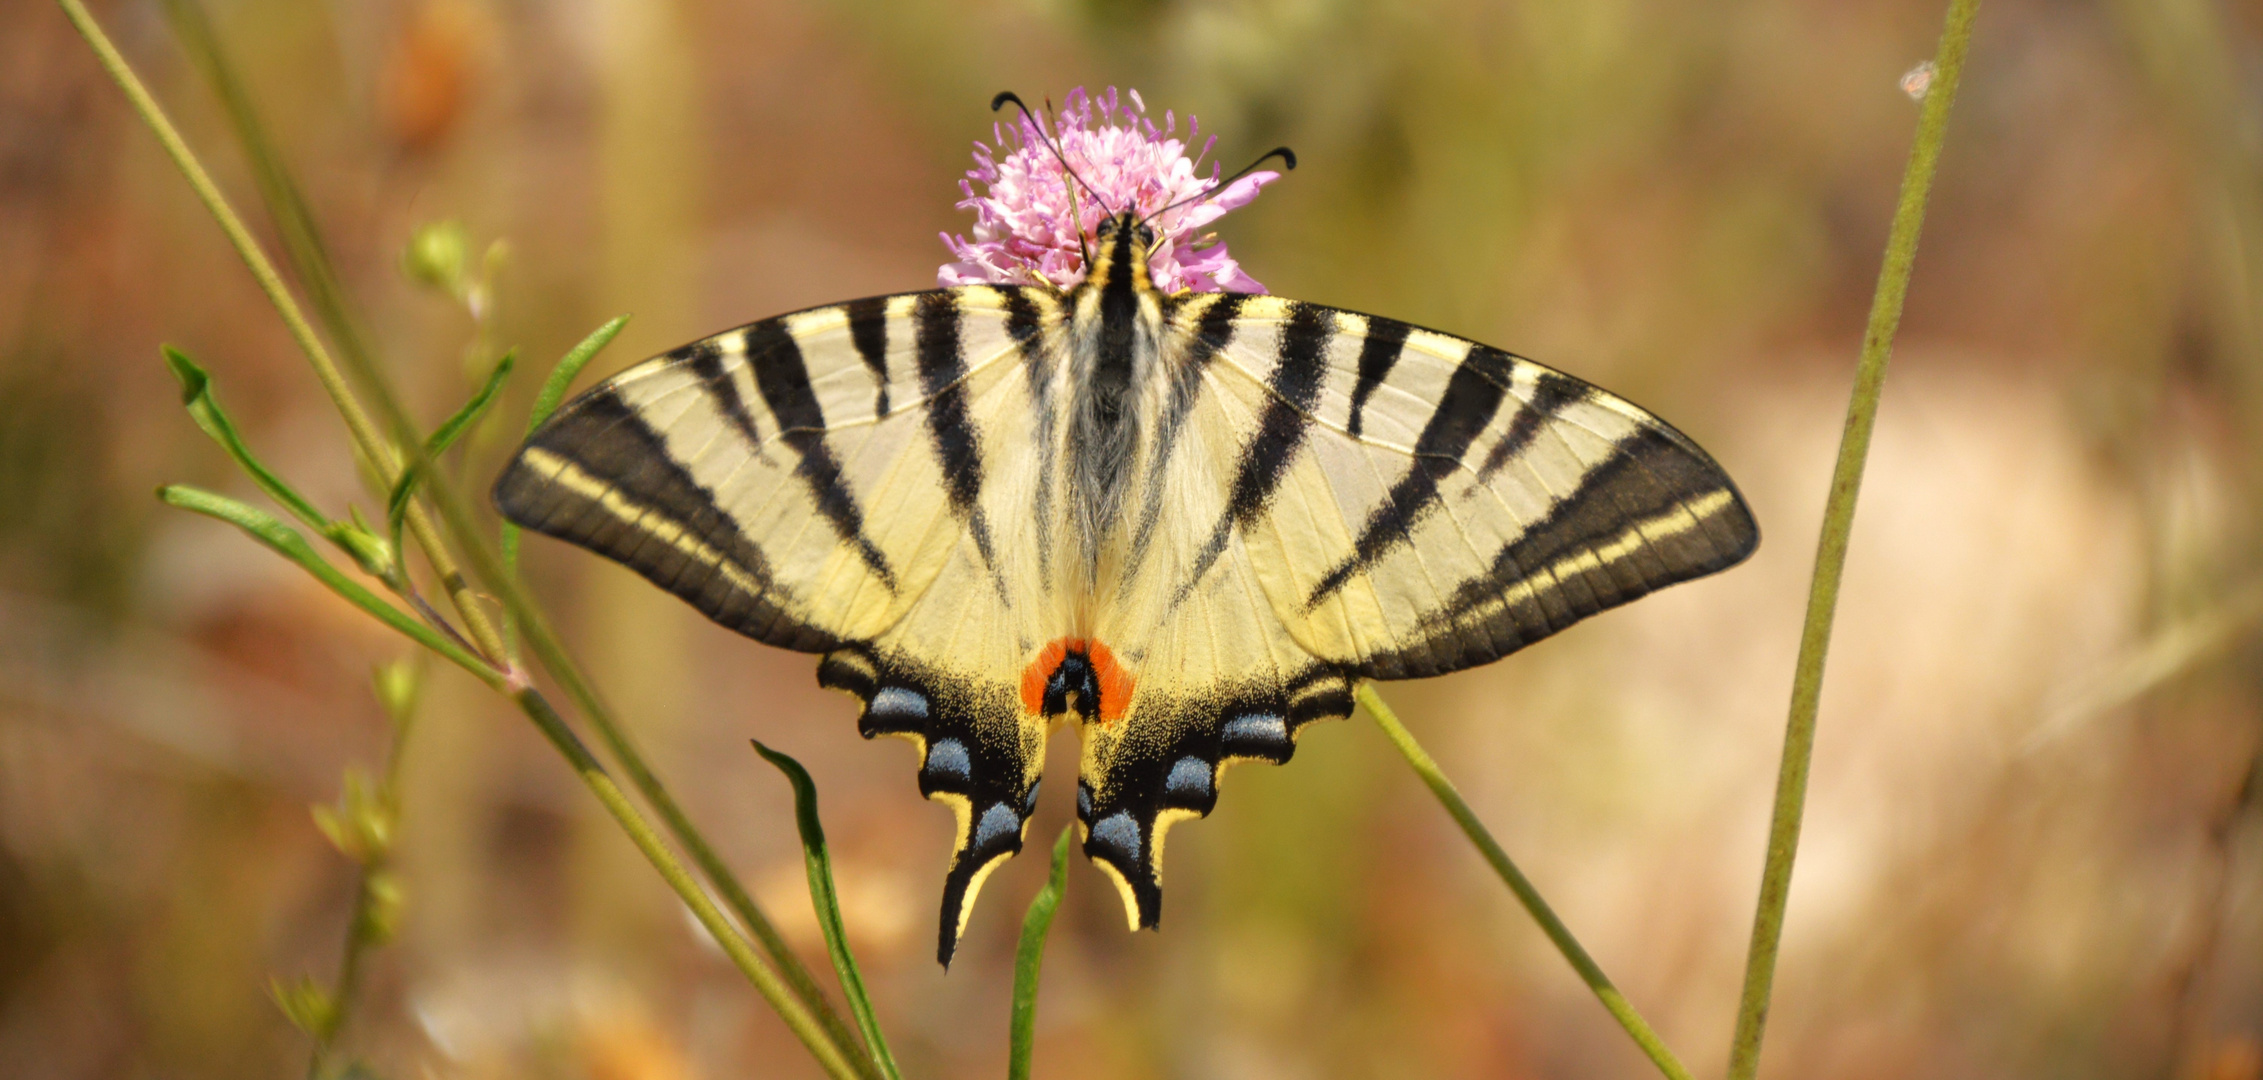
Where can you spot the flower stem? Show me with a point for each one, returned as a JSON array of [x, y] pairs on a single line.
[[831, 1034], [1831, 547], [1029, 960], [838, 1061], [369, 925], [1615, 1002]]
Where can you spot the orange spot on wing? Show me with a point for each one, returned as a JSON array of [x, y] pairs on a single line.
[[1115, 683], [1033, 677]]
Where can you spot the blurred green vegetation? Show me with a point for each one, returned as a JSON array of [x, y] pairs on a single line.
[[2033, 844]]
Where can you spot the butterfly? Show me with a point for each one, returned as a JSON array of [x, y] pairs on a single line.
[[1190, 522]]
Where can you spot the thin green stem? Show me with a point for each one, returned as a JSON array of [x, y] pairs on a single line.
[[370, 924], [835, 1032], [1831, 547], [826, 902], [1029, 960], [286, 541], [837, 1060], [550, 651], [1615, 1002], [368, 441]]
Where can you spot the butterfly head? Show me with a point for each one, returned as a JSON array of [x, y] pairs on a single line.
[[1120, 248]]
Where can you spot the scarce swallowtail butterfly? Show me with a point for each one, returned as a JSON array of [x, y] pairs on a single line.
[[1190, 521]]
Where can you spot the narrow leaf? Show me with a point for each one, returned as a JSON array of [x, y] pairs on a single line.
[[287, 542], [442, 438], [454, 427], [828, 905], [204, 408], [553, 391], [1029, 957]]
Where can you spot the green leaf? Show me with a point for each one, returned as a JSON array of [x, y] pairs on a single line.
[[553, 391], [443, 437], [286, 541], [827, 903], [1029, 957], [381, 908], [204, 408], [377, 556], [368, 550]]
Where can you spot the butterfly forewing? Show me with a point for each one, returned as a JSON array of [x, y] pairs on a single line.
[[1451, 503]]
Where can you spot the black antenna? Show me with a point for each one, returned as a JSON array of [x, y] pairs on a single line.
[[1288, 158], [999, 102]]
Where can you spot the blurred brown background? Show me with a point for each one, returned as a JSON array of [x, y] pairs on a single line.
[[2033, 847]]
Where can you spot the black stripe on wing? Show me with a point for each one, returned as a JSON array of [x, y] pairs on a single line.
[[942, 371], [1473, 395], [598, 476], [1025, 324], [783, 378], [1213, 329], [868, 331], [1297, 375], [1386, 339], [1552, 393], [1656, 511]]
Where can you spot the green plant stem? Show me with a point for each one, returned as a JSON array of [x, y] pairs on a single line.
[[826, 902], [1615, 1002], [837, 1035], [1831, 546], [361, 930], [286, 541], [290, 211], [1029, 960], [550, 651], [837, 1060], [367, 440]]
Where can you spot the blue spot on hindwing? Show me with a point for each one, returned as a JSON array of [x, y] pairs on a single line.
[[997, 822], [897, 704], [1189, 780], [1264, 734], [1120, 835], [947, 760]]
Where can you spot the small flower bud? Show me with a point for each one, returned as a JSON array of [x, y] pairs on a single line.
[[360, 826], [373, 553], [397, 685], [306, 1005], [438, 255]]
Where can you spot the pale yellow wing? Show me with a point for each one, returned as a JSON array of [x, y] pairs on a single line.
[[1330, 497], [852, 480]]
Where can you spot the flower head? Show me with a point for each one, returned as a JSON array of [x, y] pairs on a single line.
[[1031, 218]]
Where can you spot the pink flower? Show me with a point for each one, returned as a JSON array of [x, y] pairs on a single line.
[[1027, 225]]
